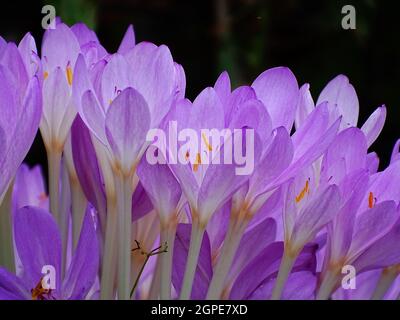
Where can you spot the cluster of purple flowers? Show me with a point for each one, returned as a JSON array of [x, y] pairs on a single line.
[[315, 219]]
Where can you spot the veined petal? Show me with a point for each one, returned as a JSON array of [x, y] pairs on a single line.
[[299, 286], [83, 34], [141, 204], [341, 93], [277, 158], [128, 41], [396, 152], [206, 112], [315, 216], [238, 97], [204, 268], [253, 242], [374, 125], [372, 162], [116, 77], [161, 186], [87, 167], [265, 266], [305, 105], [277, 88], [127, 123], [60, 47], [382, 253], [372, 225], [223, 87], [84, 266], [347, 153], [38, 243], [12, 59], [56, 100], [154, 77], [12, 287], [28, 51]]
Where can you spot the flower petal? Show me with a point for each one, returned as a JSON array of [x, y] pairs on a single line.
[[161, 186], [84, 266], [204, 268], [12, 287], [341, 93], [127, 123], [315, 216], [374, 125], [305, 105], [87, 167], [277, 88], [128, 41], [38, 242]]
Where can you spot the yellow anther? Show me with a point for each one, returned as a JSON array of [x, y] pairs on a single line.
[[303, 192], [197, 162], [208, 145], [69, 75], [45, 75]]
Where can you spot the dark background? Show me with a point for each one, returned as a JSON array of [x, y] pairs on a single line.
[[246, 37]]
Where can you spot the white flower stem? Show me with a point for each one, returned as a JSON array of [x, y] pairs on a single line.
[[167, 236], [54, 164], [327, 286], [192, 259], [124, 227], [229, 248], [108, 270], [386, 279], [6, 232], [284, 271], [156, 281]]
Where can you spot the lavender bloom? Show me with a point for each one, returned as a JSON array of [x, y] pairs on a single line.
[[38, 243], [20, 105]]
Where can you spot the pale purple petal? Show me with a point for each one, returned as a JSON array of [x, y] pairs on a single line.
[[374, 125], [161, 186], [305, 105], [204, 268], [128, 41], [127, 123], [85, 262], [277, 88], [38, 242], [341, 93], [12, 287]]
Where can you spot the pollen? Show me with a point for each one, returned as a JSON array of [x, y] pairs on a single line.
[[45, 75], [208, 145], [197, 162], [69, 74], [303, 192], [38, 292], [371, 200]]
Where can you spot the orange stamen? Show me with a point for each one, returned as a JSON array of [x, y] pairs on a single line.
[[303, 192], [197, 162], [371, 200]]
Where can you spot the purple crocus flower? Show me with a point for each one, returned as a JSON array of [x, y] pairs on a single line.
[[20, 104], [38, 243]]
